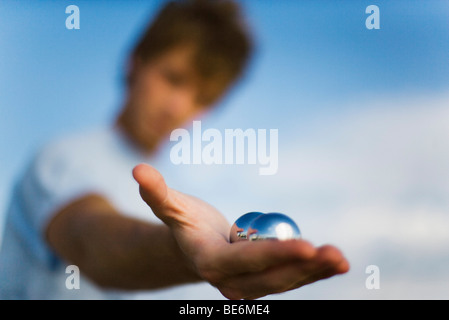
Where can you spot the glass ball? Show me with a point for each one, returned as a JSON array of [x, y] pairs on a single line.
[[240, 227], [273, 226]]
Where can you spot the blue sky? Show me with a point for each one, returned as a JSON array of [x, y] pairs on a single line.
[[318, 73]]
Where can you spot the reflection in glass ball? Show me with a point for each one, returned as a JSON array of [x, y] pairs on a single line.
[[273, 226], [240, 227]]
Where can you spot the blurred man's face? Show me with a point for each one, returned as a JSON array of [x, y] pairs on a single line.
[[163, 95]]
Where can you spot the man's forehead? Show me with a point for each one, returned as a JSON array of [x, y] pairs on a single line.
[[186, 61]]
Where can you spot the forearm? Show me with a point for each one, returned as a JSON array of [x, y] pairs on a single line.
[[121, 252], [130, 254]]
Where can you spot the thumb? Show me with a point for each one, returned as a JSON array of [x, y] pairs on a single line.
[[152, 186]]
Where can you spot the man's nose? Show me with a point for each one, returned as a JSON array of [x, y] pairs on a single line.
[[179, 102]]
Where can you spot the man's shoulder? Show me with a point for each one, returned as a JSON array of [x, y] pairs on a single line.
[[75, 143], [72, 148]]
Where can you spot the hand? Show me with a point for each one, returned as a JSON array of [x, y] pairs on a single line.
[[241, 270]]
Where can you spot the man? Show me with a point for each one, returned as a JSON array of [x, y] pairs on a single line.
[[77, 203]]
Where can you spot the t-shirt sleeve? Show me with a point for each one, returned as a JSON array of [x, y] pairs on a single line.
[[54, 178]]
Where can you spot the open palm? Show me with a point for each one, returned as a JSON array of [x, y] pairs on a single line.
[[241, 270]]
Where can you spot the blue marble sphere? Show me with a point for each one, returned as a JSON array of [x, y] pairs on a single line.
[[240, 227], [273, 225]]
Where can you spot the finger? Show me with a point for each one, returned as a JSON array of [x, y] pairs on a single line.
[[284, 277], [330, 268], [332, 256], [152, 187], [326, 273], [246, 256], [329, 262], [343, 267], [274, 280]]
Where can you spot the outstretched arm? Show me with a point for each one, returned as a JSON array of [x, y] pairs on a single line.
[[117, 251], [192, 245]]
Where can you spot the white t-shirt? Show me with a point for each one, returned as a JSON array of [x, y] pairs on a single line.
[[98, 161]]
